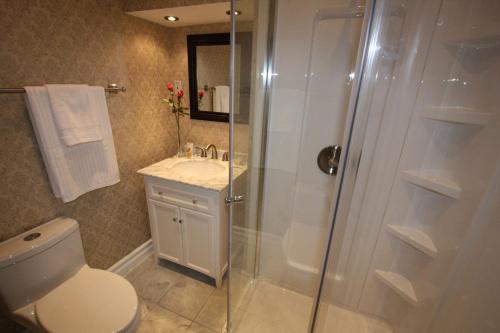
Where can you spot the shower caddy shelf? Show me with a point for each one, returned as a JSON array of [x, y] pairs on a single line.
[[458, 115], [435, 183], [414, 237], [398, 283], [476, 44]]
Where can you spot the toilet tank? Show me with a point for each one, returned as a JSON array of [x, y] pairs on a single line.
[[35, 262]]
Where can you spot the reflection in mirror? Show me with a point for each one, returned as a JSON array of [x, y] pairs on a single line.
[[212, 70]]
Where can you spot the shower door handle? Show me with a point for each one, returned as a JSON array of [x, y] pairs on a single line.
[[329, 158], [234, 199]]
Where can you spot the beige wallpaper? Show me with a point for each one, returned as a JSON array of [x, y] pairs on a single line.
[[86, 42], [90, 41]]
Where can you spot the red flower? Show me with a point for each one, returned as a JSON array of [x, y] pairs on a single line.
[[201, 93], [170, 86], [180, 93]]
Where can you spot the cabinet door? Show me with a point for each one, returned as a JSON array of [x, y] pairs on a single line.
[[197, 230], [167, 230]]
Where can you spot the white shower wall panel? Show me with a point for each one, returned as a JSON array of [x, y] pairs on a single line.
[[314, 56]]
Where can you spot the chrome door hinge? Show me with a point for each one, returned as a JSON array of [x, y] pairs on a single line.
[[233, 199]]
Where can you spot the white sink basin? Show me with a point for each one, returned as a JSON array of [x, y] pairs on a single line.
[[201, 172], [195, 168]]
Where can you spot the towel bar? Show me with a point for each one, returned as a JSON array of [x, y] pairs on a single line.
[[112, 88]]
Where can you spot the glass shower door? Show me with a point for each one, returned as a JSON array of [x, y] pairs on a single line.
[[416, 202], [248, 95], [415, 242], [293, 75]]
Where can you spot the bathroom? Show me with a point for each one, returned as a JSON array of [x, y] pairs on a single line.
[[349, 182]]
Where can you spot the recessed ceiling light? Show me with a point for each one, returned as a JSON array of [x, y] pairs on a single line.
[[171, 18], [236, 12]]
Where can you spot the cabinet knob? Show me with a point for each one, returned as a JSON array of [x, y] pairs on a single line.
[[174, 219], [160, 193], [180, 221], [195, 201]]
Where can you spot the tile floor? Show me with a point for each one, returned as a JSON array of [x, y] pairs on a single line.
[[272, 309], [339, 319], [174, 302]]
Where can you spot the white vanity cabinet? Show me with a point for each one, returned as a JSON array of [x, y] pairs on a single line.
[[188, 225]]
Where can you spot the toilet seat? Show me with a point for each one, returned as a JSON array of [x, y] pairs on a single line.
[[92, 300]]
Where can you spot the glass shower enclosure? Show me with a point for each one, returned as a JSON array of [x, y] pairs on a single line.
[[365, 172]]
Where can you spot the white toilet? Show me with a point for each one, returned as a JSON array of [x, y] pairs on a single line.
[[47, 286]]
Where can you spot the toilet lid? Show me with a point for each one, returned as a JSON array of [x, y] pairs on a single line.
[[92, 300]]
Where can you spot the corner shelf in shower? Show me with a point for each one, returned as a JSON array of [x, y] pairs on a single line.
[[457, 115], [398, 283], [414, 237], [476, 44], [435, 183]]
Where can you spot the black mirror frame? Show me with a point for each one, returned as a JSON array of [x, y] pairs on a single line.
[[192, 42]]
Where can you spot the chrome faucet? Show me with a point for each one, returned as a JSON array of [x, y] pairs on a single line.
[[214, 151]]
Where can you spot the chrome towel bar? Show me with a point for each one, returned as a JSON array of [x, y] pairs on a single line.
[[112, 88]]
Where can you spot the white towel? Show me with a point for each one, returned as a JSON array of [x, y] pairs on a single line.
[[221, 99], [74, 170], [72, 114]]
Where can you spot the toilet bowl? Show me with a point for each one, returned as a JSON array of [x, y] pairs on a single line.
[[47, 286]]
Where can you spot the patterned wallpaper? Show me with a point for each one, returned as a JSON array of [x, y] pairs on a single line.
[[90, 41]]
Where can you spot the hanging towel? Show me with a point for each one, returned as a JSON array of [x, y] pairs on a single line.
[[221, 99], [72, 114], [74, 170]]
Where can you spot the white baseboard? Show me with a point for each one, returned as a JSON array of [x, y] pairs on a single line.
[[131, 260]]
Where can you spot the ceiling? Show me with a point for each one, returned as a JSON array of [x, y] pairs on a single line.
[[195, 15]]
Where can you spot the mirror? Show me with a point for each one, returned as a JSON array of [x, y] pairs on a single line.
[[208, 62]]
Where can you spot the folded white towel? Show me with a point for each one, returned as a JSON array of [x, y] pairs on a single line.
[[221, 99], [74, 170], [72, 114]]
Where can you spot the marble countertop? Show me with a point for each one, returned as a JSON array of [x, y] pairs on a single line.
[[218, 180]]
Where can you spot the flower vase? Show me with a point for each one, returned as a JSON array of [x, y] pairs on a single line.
[[179, 146]]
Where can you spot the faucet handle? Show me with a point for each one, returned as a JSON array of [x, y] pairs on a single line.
[[203, 151], [225, 156]]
